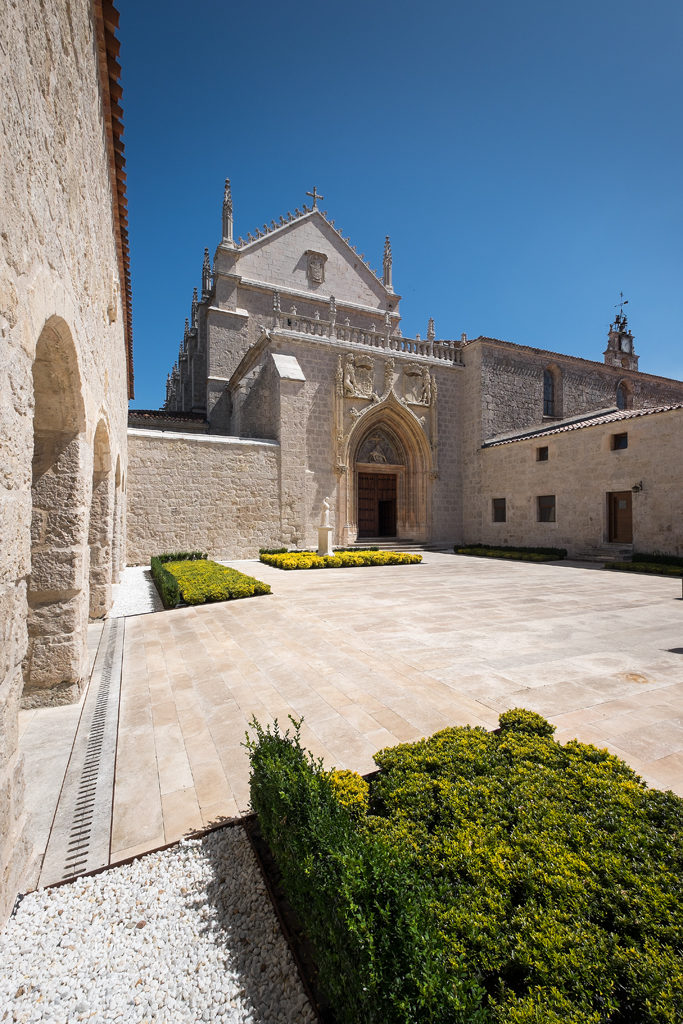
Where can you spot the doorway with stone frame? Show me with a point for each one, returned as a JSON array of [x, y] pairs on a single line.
[[386, 491], [377, 493], [620, 517]]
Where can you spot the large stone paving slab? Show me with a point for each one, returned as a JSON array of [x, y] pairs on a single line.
[[377, 656]]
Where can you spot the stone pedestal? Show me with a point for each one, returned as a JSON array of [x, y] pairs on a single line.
[[325, 540]]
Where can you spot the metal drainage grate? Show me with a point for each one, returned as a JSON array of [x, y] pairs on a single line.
[[81, 830]]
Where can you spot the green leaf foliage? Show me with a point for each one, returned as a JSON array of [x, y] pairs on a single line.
[[202, 581], [339, 560], [166, 584], [182, 556], [653, 568], [486, 877], [513, 554]]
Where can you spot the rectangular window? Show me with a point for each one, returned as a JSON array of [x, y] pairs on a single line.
[[542, 454], [619, 442], [499, 511], [545, 508]]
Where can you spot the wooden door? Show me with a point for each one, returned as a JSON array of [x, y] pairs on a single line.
[[376, 504], [620, 517], [368, 509], [386, 505]]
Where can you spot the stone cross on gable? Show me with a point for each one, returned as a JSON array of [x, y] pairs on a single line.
[[315, 196]]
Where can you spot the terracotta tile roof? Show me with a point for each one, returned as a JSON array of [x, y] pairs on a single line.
[[593, 419], [163, 414], [106, 22]]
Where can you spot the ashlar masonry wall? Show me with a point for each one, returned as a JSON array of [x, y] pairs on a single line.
[[201, 492], [62, 370], [581, 469]]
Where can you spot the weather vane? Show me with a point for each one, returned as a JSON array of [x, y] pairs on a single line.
[[622, 302], [315, 196]]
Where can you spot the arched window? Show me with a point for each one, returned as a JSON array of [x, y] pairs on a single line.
[[548, 393]]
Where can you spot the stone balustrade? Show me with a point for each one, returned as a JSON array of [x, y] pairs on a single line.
[[448, 351]]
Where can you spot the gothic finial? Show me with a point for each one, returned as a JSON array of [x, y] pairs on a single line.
[[195, 303], [387, 262], [297, 211], [431, 333], [276, 302], [227, 214], [206, 275], [333, 307]]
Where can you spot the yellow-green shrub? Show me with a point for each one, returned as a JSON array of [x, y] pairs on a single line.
[[340, 559], [495, 877], [204, 581], [351, 790]]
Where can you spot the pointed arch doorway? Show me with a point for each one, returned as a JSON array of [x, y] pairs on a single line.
[[380, 463], [385, 490]]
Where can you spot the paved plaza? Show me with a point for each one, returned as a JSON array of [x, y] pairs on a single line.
[[372, 657]]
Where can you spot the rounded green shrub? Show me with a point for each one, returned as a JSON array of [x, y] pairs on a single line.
[[522, 720]]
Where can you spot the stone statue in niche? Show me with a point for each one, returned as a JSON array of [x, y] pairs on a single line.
[[426, 395], [388, 374], [315, 266], [358, 376]]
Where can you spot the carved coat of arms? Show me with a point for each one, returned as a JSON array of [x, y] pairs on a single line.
[[357, 376], [315, 266]]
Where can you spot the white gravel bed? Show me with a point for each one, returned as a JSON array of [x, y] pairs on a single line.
[[188, 934], [135, 594]]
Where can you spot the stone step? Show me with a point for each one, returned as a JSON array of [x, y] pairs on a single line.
[[605, 553], [387, 544]]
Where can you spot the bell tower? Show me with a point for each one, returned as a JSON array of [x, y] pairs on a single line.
[[619, 351]]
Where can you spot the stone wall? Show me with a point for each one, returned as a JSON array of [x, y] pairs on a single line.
[[512, 386], [60, 293], [189, 492], [580, 470]]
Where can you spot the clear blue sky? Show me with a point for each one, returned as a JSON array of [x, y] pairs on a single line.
[[525, 157]]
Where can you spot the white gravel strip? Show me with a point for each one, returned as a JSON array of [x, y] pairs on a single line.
[[135, 594], [188, 934]]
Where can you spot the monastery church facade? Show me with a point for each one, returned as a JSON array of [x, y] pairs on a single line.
[[294, 383]]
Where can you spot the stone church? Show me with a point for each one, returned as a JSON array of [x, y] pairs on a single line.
[[294, 382]]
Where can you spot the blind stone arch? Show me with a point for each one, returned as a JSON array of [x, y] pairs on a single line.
[[56, 659]]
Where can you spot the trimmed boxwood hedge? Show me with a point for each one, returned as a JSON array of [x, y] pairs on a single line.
[[486, 878], [514, 554], [339, 560], [204, 581], [195, 579], [653, 568], [654, 558]]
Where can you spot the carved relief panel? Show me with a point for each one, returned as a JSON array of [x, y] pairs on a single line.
[[315, 266], [379, 448], [358, 376], [419, 386]]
